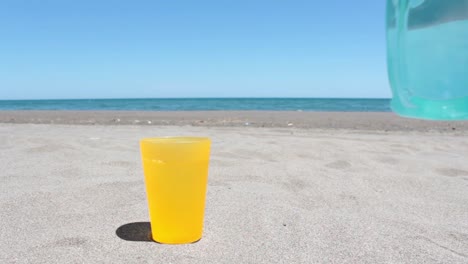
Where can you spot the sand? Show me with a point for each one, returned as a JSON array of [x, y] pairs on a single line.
[[74, 193], [316, 120]]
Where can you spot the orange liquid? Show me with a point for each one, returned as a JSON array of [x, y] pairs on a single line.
[[176, 173]]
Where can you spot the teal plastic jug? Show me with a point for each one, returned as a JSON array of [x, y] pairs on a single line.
[[427, 51]]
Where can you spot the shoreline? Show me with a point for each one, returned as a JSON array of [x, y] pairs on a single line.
[[369, 121]]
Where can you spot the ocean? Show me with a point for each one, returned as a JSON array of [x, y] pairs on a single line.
[[200, 104]]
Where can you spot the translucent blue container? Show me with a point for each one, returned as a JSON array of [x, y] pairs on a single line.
[[427, 48]]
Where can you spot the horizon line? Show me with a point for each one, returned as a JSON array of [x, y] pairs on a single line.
[[172, 98]]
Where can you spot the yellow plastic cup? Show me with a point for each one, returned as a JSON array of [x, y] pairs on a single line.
[[176, 174]]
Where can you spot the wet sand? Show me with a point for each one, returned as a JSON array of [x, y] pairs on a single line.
[[375, 121]]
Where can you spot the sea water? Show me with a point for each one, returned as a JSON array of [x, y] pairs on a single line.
[[199, 104], [428, 57]]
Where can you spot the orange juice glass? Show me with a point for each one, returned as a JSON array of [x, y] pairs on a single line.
[[176, 174]]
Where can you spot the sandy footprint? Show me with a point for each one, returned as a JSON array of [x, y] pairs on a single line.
[[450, 172], [295, 185], [406, 149], [69, 242], [387, 160], [46, 148], [339, 165]]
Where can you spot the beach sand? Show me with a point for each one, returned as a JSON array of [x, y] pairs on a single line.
[[316, 120], [304, 188]]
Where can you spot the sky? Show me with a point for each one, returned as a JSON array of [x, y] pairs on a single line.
[[65, 49]]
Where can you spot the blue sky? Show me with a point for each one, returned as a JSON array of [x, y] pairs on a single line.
[[206, 48]]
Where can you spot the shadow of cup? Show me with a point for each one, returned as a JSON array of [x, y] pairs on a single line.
[[138, 231]]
